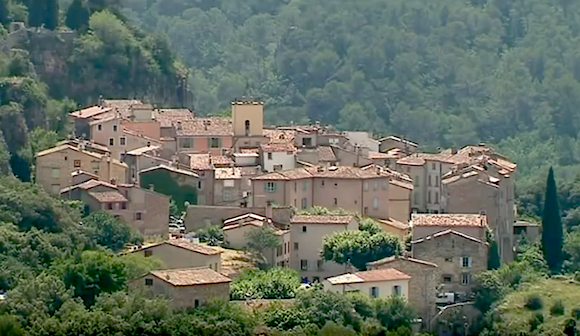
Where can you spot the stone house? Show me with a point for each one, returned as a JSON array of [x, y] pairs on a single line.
[[458, 255], [369, 192], [393, 226], [474, 225], [307, 233], [202, 165], [105, 109], [186, 287], [199, 216], [55, 166], [228, 187], [378, 283], [212, 135], [182, 253], [236, 232], [486, 187], [425, 278], [388, 143], [181, 185], [145, 210]]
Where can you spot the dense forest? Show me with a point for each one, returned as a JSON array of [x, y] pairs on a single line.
[[442, 73]]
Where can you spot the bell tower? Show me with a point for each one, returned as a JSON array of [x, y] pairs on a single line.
[[247, 117]]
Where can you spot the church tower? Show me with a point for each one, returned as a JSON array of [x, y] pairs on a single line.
[[247, 117]]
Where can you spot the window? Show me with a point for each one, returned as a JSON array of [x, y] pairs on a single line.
[[447, 278], [247, 127], [416, 181], [295, 203], [304, 186], [199, 185], [397, 290], [376, 185], [366, 186], [111, 142], [229, 183], [122, 141], [433, 166], [304, 265], [77, 163], [374, 292], [295, 246], [448, 259], [270, 187], [375, 203], [436, 181], [269, 156], [319, 264], [279, 250], [110, 206], [295, 186], [322, 183], [304, 228], [95, 165], [304, 203], [55, 172], [214, 142], [436, 197], [465, 278], [148, 282], [307, 142], [429, 180], [429, 197], [466, 262], [227, 195], [99, 128], [186, 142], [123, 205], [196, 303], [278, 167], [114, 128], [416, 198], [385, 184], [148, 253], [366, 210], [138, 216], [335, 201]]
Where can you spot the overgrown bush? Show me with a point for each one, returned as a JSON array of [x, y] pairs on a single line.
[[275, 283], [212, 235], [534, 302], [576, 313], [558, 308], [536, 320]]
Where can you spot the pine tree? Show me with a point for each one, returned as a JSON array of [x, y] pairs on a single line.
[[4, 12], [77, 15], [51, 14], [552, 231], [36, 13]]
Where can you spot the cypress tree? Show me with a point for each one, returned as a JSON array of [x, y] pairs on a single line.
[[4, 12], [552, 231], [493, 261], [77, 15], [36, 13], [51, 14]]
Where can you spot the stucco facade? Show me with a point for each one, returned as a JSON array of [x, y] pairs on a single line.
[[371, 283], [54, 167], [182, 254], [307, 233]]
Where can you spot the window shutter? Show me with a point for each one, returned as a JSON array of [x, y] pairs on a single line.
[[461, 262], [266, 187], [469, 261], [275, 186]]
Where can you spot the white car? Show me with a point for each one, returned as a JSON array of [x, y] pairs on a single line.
[[445, 298]]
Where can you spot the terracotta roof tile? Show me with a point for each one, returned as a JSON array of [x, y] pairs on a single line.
[[87, 185], [419, 159], [228, 173], [190, 276], [221, 160], [188, 245], [395, 258], [123, 106], [277, 147], [447, 232], [215, 126], [342, 172], [388, 274], [279, 136], [395, 223], [168, 117], [108, 196], [200, 161], [322, 219], [90, 112], [378, 155], [326, 154], [449, 220]]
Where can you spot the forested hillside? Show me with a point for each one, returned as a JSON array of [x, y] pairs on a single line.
[[442, 73]]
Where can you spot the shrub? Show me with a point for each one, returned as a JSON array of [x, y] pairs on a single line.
[[212, 235], [534, 302], [536, 321], [576, 313], [558, 308]]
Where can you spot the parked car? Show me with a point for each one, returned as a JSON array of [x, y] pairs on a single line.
[[445, 298]]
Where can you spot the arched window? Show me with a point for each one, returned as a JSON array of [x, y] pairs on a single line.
[[247, 127]]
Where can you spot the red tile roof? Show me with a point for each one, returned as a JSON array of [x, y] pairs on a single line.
[[449, 220], [108, 196], [277, 147], [200, 161], [184, 244], [388, 274], [395, 258], [279, 136], [326, 154], [448, 232], [214, 126], [190, 276], [168, 117], [322, 219]]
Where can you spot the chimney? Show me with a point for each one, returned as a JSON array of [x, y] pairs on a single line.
[[453, 150], [179, 128], [268, 210]]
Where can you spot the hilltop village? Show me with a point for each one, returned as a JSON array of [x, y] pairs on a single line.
[[304, 182]]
